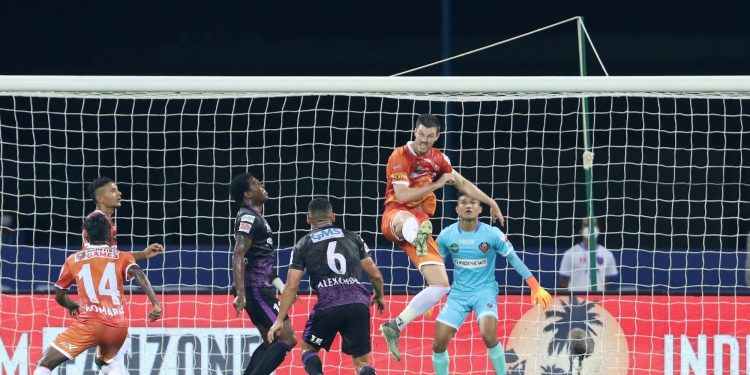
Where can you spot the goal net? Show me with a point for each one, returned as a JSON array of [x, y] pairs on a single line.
[[670, 192]]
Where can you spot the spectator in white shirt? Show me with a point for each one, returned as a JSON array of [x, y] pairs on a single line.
[[574, 268]]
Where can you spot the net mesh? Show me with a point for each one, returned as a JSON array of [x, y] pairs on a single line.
[[670, 190]]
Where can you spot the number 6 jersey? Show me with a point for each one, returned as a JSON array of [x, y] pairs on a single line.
[[332, 258], [99, 273]]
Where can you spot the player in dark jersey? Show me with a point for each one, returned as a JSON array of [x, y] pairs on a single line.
[[253, 267], [334, 258]]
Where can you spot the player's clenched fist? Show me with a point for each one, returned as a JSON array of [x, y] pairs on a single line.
[[155, 313], [239, 304]]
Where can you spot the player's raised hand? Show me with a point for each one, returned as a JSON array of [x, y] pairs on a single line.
[[239, 304], [496, 214], [155, 313], [273, 331], [380, 302], [153, 250], [540, 296]]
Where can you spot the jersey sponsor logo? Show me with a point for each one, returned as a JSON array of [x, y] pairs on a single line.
[[470, 263], [454, 248], [484, 246], [248, 218], [326, 234], [399, 176], [245, 227], [107, 253], [466, 241]]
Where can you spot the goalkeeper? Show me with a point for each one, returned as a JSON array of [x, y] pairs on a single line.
[[473, 247]]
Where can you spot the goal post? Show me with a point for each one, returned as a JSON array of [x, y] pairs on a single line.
[[670, 188]]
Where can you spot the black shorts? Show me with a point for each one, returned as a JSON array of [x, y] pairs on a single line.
[[262, 305], [352, 321]]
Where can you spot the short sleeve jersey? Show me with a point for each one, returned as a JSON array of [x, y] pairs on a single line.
[[407, 168], [259, 259], [99, 272], [113, 230], [473, 255], [332, 258], [575, 265]]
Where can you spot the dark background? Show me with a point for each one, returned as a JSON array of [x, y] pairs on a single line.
[[673, 202]]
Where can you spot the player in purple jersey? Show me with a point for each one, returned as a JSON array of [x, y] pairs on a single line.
[[334, 258], [252, 265]]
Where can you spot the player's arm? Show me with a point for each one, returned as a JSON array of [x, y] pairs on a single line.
[[405, 193], [376, 278], [538, 294], [467, 187], [238, 270], [61, 297], [149, 252], [136, 273], [293, 278]]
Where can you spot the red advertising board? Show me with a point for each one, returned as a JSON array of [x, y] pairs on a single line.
[[631, 335]]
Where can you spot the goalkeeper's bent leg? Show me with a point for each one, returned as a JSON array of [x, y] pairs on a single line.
[[440, 362]]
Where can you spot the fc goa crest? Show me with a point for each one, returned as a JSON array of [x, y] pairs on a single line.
[[484, 246]]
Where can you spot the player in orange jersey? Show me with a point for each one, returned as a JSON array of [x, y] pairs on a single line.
[[107, 198], [99, 271], [414, 172]]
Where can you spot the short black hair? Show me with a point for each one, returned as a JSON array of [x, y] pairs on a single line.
[[239, 186], [97, 227], [428, 121], [319, 208], [96, 184]]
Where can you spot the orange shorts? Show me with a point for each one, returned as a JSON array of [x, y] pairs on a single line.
[[432, 257], [81, 336]]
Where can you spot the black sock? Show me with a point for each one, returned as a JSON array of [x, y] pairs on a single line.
[[312, 363], [256, 357], [366, 370], [272, 358]]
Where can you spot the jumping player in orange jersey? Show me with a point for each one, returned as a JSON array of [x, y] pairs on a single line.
[[99, 271], [107, 198], [414, 172]]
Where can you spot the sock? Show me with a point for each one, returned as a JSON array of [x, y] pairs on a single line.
[[41, 370], [256, 357], [312, 363], [409, 230], [422, 302], [440, 362], [272, 358], [497, 357], [367, 370]]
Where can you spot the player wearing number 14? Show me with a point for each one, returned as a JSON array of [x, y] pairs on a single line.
[[100, 316]]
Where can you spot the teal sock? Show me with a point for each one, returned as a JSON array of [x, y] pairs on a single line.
[[440, 362], [497, 357]]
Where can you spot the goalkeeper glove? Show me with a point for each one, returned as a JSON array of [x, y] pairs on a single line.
[[539, 296]]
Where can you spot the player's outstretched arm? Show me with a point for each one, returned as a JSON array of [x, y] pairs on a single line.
[[293, 278], [376, 278], [238, 270], [405, 193], [141, 279], [538, 294], [149, 252], [467, 187], [61, 297]]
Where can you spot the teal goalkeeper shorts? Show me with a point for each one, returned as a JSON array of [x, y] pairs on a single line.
[[460, 304]]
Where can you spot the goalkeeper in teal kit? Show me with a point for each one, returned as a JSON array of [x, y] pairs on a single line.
[[473, 247]]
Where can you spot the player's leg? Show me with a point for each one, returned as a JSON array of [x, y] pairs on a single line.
[[485, 306], [453, 314], [67, 345], [355, 337], [320, 330], [119, 360], [111, 340], [262, 306]]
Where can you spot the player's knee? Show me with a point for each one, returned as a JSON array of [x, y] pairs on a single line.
[[439, 345], [490, 339]]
